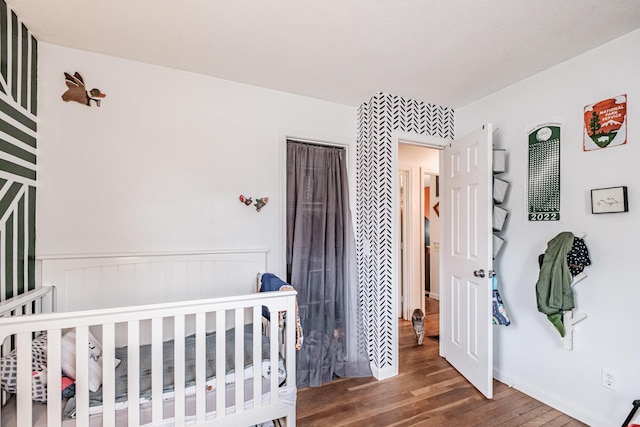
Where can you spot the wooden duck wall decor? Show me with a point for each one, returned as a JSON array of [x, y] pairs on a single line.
[[77, 92]]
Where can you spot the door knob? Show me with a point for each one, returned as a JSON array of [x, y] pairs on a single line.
[[479, 273]]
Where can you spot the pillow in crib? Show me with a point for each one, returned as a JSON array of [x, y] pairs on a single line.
[[68, 344], [39, 352], [39, 386], [9, 363]]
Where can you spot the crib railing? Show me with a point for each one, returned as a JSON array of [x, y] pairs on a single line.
[[39, 300], [200, 314]]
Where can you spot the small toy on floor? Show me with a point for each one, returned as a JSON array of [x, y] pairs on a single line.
[[418, 324]]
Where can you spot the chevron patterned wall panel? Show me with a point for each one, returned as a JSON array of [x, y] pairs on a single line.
[[377, 120], [18, 126]]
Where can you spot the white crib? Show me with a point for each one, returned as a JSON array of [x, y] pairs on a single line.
[[178, 346]]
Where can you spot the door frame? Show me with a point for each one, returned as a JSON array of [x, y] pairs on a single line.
[[426, 141], [279, 265], [409, 297], [404, 261], [423, 173]]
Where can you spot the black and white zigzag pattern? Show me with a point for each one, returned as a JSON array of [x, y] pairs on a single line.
[[377, 120]]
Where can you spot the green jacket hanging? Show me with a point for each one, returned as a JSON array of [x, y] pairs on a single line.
[[553, 289]]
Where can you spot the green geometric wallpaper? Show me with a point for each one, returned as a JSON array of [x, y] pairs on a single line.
[[18, 132]]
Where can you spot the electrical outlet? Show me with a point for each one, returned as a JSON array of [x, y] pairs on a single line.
[[609, 379]]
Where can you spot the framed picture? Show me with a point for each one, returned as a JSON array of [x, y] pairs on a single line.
[[609, 200]]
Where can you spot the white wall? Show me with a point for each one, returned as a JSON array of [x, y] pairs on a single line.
[[529, 353], [161, 164]]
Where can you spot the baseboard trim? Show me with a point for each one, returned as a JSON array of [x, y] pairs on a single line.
[[384, 373], [577, 412]]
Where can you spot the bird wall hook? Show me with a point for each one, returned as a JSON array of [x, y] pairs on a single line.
[[77, 92], [259, 204]]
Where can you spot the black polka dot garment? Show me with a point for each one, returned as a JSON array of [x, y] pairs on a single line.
[[578, 256]]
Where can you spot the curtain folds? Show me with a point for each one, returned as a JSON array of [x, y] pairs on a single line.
[[321, 265]]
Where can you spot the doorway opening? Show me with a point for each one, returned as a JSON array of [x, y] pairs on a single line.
[[418, 230], [321, 264]]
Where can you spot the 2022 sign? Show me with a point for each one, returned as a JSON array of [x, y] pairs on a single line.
[[543, 180], [555, 216]]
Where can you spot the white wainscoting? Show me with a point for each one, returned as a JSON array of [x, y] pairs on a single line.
[[88, 282], [85, 282]]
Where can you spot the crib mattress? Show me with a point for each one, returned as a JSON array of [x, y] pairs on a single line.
[[40, 409]]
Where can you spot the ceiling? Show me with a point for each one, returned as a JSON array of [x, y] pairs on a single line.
[[446, 52]]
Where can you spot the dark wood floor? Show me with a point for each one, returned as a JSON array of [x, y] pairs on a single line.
[[427, 392]]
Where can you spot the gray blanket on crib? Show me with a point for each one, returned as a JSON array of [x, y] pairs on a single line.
[[95, 398]]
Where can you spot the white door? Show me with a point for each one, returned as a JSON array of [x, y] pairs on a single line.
[[466, 213]]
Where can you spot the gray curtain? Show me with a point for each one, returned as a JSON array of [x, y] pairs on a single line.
[[321, 265]]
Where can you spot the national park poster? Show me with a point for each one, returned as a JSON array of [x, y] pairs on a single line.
[[605, 123]]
